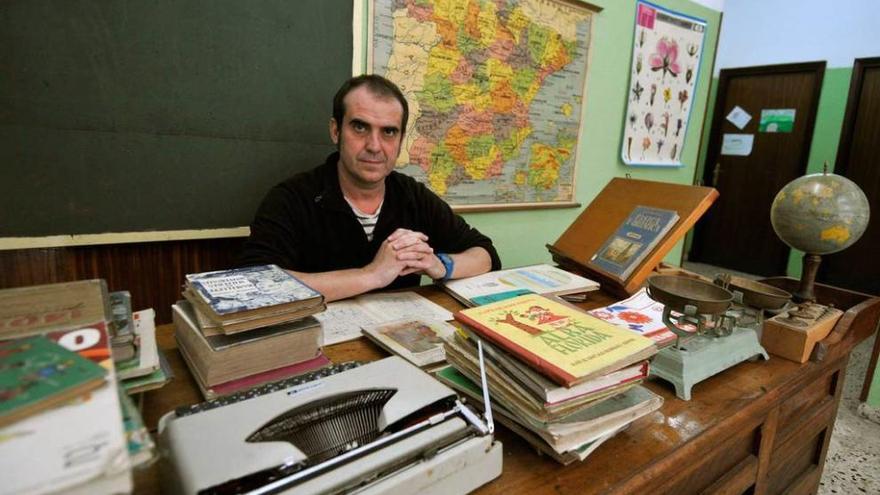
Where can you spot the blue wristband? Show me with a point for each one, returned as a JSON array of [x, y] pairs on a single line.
[[448, 264]]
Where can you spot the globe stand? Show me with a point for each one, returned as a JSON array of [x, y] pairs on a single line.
[[808, 279]]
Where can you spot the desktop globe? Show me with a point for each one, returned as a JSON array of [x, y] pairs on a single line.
[[819, 214]]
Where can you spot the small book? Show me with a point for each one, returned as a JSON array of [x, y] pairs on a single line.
[[631, 243], [418, 341], [37, 374], [252, 293], [221, 358], [640, 314], [560, 341], [504, 284]]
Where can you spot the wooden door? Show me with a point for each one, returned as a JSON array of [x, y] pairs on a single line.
[[736, 232], [858, 158]]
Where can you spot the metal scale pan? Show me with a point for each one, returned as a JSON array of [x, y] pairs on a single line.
[[678, 292], [755, 294]]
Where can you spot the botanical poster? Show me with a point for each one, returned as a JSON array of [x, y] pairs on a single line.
[[666, 58]]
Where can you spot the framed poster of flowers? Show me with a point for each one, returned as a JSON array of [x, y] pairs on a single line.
[[667, 51]]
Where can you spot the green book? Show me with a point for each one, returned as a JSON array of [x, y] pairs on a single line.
[[37, 374]]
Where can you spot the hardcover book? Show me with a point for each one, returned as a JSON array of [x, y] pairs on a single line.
[[42, 308], [560, 341], [37, 374], [503, 284], [221, 358], [631, 243], [250, 291]]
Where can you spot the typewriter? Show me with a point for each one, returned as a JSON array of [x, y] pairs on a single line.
[[382, 427]]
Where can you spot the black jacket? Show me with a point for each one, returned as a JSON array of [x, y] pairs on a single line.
[[305, 224]]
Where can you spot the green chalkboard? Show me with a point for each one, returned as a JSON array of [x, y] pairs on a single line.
[[136, 115]]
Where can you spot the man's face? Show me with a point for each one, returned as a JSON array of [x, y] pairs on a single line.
[[368, 138]]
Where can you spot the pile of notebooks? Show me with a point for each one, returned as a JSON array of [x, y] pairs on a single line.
[[560, 378], [63, 425], [240, 328]]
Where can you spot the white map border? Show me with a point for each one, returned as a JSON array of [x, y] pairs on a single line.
[[362, 61]]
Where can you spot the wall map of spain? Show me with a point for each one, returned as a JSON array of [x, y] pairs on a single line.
[[495, 91]]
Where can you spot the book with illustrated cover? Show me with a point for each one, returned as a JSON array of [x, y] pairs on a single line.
[[45, 443], [503, 284], [515, 371], [416, 340], [249, 292], [641, 314], [561, 342], [37, 374], [634, 239]]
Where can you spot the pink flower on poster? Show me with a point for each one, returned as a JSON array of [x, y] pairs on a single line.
[[665, 58]]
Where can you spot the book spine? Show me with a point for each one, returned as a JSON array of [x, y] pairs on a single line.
[[537, 362]]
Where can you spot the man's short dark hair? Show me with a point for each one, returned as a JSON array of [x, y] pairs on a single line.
[[377, 85]]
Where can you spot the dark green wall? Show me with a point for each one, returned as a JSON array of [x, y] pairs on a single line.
[[163, 115]]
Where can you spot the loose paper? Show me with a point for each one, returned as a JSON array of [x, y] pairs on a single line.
[[739, 117], [737, 144], [777, 120], [343, 320]]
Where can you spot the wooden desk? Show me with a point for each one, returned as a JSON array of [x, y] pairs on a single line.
[[759, 427]]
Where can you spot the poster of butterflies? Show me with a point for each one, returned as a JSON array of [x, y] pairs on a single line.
[[667, 51]]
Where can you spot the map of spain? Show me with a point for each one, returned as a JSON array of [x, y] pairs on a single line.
[[495, 91]]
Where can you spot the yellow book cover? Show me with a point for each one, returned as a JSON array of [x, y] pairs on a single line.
[[560, 341]]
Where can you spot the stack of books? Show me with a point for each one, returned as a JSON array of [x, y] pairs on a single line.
[[54, 441], [240, 328], [562, 379]]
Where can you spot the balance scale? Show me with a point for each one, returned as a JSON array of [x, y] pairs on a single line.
[[716, 328]]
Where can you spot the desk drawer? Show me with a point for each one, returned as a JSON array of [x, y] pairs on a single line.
[[805, 403], [729, 468]]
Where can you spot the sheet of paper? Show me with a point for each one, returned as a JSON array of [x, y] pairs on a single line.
[[737, 144], [396, 305], [739, 117], [343, 320]]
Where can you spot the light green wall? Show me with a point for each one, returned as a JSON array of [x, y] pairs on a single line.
[[521, 236], [873, 399]]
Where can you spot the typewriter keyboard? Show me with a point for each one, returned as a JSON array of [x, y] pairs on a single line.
[[267, 388]]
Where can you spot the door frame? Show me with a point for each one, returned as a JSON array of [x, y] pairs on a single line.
[[841, 163], [715, 139]]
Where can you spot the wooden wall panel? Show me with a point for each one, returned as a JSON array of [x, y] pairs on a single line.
[[152, 271]]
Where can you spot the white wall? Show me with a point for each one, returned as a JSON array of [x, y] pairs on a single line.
[[763, 32]]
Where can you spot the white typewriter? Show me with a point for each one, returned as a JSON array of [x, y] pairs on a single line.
[[383, 427]]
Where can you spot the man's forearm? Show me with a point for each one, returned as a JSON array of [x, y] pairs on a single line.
[[340, 284], [470, 262]]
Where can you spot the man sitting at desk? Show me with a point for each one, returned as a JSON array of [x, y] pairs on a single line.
[[353, 224]]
